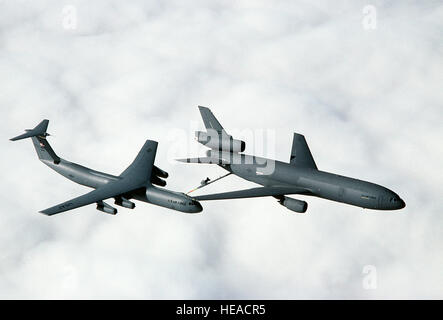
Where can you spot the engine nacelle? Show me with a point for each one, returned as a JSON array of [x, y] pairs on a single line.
[[124, 203], [157, 181], [219, 141], [159, 172], [106, 208], [294, 204]]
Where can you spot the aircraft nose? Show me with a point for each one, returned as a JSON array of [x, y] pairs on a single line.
[[197, 207], [398, 203], [394, 201], [402, 204]]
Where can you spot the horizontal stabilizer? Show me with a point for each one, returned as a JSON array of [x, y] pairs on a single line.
[[39, 130], [253, 193], [205, 160]]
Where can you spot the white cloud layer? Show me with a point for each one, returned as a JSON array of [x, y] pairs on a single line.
[[368, 101]]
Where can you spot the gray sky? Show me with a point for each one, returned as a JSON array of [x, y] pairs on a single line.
[[111, 74]]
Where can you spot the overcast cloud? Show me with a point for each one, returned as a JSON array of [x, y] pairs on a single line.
[[369, 102]]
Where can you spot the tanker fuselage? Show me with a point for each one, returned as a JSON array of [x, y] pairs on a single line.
[[268, 172]]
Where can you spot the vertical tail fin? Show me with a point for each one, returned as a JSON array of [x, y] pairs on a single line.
[[44, 149], [300, 154], [210, 120]]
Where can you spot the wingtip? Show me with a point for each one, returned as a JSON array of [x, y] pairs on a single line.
[[46, 212]]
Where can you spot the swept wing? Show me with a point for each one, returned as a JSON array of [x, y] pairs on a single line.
[[136, 176], [253, 193]]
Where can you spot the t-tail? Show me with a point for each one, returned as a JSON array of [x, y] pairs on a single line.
[[42, 146], [39, 130]]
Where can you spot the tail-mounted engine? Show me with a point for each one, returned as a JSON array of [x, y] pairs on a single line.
[[219, 141]]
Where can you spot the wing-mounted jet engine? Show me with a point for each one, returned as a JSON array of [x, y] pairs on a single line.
[[125, 203], [295, 205], [215, 136], [157, 175], [106, 208]]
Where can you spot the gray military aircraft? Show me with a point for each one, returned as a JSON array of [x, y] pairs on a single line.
[[136, 182], [279, 179]]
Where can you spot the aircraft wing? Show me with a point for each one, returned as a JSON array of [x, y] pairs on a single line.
[[140, 169], [109, 190], [137, 175], [253, 193]]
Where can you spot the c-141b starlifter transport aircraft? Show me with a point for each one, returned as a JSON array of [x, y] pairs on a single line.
[[279, 179], [136, 182]]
